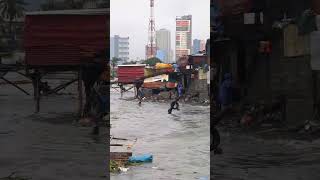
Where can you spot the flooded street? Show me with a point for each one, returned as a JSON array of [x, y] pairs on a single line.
[[47, 146], [179, 142], [247, 157]]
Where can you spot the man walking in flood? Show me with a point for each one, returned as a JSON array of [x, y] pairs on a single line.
[[175, 104], [140, 95], [225, 101]]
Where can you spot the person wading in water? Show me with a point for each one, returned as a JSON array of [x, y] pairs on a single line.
[[96, 92], [175, 103], [225, 99]]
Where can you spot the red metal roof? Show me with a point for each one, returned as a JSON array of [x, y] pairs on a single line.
[[129, 74], [64, 39], [234, 7]]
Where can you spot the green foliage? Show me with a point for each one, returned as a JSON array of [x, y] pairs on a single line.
[[114, 167], [152, 61], [115, 61], [131, 62], [11, 9]]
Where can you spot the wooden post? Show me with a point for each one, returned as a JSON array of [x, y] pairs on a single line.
[[37, 90], [121, 90], [80, 91], [135, 91]]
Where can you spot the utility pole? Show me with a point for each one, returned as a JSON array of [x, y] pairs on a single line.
[[152, 34]]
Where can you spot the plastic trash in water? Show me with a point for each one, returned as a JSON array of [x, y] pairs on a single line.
[[141, 159], [122, 169]]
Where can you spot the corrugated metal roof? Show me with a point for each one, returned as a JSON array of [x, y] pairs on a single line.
[[71, 12], [64, 39], [129, 74], [129, 65]]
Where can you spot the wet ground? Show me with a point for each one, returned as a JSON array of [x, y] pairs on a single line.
[[47, 146], [271, 156], [179, 142]]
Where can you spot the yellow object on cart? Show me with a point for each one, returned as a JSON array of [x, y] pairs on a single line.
[[163, 66]]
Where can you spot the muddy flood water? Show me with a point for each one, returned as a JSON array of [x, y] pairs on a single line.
[[267, 157], [47, 146], [179, 142]]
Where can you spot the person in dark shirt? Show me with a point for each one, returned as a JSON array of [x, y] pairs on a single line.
[[225, 92], [175, 103]]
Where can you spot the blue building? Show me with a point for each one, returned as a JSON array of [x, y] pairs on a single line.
[[196, 46]]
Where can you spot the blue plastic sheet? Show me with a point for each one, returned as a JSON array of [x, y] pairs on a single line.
[[141, 159]]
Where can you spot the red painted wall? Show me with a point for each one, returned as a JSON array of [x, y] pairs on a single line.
[[64, 39], [128, 74]]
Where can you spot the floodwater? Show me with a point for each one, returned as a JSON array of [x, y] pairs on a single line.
[[179, 142], [47, 146], [265, 157]]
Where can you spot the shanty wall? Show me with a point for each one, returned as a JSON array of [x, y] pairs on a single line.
[[289, 76], [52, 40], [129, 74]]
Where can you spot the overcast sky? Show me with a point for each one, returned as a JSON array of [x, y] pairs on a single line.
[[131, 18]]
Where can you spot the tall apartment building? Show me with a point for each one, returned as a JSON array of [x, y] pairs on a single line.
[[183, 36], [119, 48], [163, 42], [196, 46], [202, 45]]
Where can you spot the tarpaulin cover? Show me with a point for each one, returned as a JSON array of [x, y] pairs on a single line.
[[141, 159], [64, 39]]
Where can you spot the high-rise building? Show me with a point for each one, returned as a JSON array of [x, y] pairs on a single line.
[[196, 46], [183, 36], [119, 48], [112, 48], [163, 42], [202, 45]]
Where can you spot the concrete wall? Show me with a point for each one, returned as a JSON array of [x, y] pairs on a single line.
[[199, 86], [291, 77]]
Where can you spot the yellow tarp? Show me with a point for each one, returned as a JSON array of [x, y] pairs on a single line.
[[163, 66]]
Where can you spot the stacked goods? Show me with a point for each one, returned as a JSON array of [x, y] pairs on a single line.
[[154, 85], [171, 85], [164, 68], [149, 72]]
